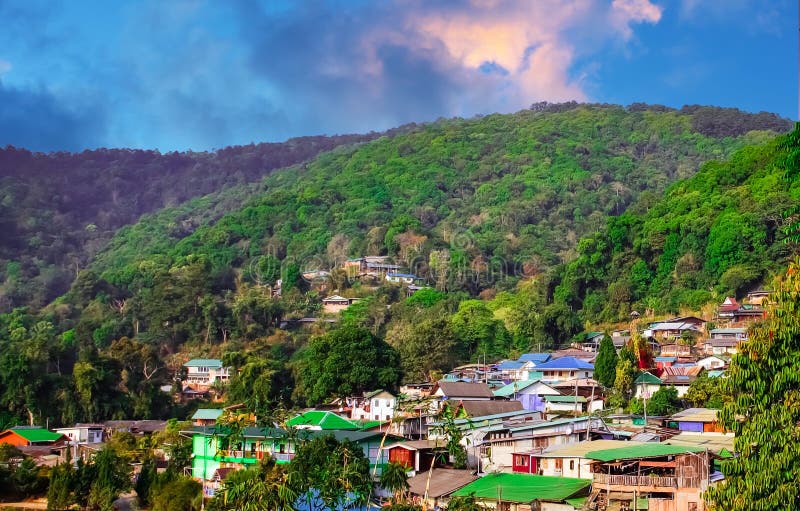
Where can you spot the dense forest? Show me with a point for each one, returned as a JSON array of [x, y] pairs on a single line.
[[526, 226], [58, 210]]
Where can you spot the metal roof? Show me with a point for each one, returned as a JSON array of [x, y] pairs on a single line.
[[524, 488], [207, 414], [639, 451], [204, 362], [565, 363]]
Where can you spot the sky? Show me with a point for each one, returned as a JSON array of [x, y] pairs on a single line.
[[202, 75]]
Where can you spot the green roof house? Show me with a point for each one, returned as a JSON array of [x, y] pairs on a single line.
[[321, 420]]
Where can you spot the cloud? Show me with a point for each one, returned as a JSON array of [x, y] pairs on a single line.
[[37, 120], [5, 67]]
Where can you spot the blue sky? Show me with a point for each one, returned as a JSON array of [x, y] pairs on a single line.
[[194, 74]]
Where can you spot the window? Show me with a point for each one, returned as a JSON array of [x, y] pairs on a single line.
[[521, 461], [572, 464]]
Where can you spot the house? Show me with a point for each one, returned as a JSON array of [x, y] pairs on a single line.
[[713, 362], [321, 420], [675, 350], [205, 372], [589, 388], [83, 433], [565, 369], [673, 329], [523, 492], [473, 409], [569, 460], [401, 278], [564, 405], [462, 391], [646, 384], [758, 297], [509, 370], [211, 450], [591, 342], [144, 427], [663, 362], [26, 436], [335, 304], [438, 486], [725, 341], [696, 420], [206, 416], [527, 392], [734, 312], [680, 377], [500, 442], [649, 476], [574, 353], [377, 405], [418, 455], [535, 358]]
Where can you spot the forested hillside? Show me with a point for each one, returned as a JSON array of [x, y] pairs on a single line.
[[714, 235], [492, 211], [57, 210]]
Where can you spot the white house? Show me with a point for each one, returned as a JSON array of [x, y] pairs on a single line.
[[205, 371], [712, 362], [646, 384], [378, 405], [401, 278], [570, 460], [83, 433]]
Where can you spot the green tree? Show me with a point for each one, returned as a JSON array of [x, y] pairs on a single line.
[[59, 491], [764, 380], [181, 494], [605, 367], [334, 473], [346, 362], [707, 392], [395, 479], [112, 477], [145, 481], [468, 503], [664, 402], [262, 488]]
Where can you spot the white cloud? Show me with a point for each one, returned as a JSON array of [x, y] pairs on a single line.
[[5, 67]]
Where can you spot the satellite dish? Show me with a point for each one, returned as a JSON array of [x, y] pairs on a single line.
[[569, 430]]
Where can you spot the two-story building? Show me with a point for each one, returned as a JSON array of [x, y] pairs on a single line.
[[378, 405], [205, 372], [565, 369]]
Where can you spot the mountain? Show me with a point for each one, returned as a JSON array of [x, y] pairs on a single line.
[[57, 210], [719, 233], [472, 204]]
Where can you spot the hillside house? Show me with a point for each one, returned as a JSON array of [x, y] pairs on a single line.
[[733, 312], [696, 420], [725, 341], [377, 405], [212, 452], [206, 416], [713, 362], [462, 391], [401, 278], [418, 455], [528, 392], [758, 297], [83, 433], [564, 405], [646, 384], [319, 420], [649, 476], [565, 369], [680, 377], [335, 304], [28, 436], [205, 372], [672, 330], [568, 460], [676, 350]]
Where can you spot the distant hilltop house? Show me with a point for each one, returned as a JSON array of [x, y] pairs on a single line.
[[725, 341], [370, 264], [202, 373]]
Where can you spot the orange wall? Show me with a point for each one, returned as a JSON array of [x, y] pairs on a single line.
[[12, 439]]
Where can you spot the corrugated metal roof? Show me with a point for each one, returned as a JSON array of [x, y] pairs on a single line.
[[204, 362], [524, 488], [640, 450], [565, 363], [207, 414]]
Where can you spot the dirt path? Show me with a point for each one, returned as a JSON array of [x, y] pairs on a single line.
[[23, 505]]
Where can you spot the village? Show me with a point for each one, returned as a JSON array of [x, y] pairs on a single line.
[[537, 432]]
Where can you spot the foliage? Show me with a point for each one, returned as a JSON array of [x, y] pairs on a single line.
[[336, 473], [59, 489], [707, 392], [764, 413], [662, 403], [346, 362], [181, 494], [395, 479], [605, 366], [468, 503], [112, 476], [265, 487]]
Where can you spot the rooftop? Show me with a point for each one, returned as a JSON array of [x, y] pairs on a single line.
[[443, 481], [456, 390], [35, 434], [203, 362], [322, 420], [524, 488], [565, 363], [579, 449], [514, 387], [209, 414], [564, 399], [696, 415], [534, 357], [640, 451], [647, 378]]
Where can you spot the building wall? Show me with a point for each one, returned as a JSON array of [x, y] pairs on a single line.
[[14, 439]]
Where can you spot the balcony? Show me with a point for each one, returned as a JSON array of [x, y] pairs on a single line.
[[650, 483]]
